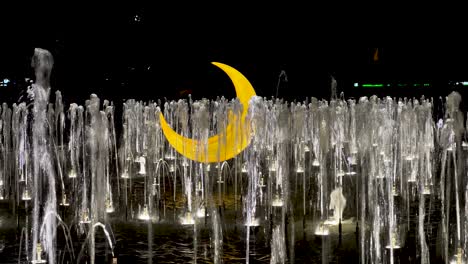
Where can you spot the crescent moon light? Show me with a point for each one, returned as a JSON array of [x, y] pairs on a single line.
[[216, 152]]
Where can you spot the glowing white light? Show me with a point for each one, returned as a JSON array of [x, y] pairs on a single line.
[[427, 190], [356, 84], [169, 157], [261, 184], [155, 183], [109, 206], [395, 244], [300, 169], [64, 201], [331, 222], [144, 215], [199, 187], [244, 168], [458, 258], [109, 209], [322, 230], [142, 161], [125, 175], [187, 219], [38, 255], [277, 201], [26, 196], [201, 212], [72, 174], [316, 163], [352, 160], [451, 147], [412, 179], [38, 261], [85, 217], [273, 166], [253, 222]]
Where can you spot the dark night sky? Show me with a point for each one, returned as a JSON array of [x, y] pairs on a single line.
[[136, 53]]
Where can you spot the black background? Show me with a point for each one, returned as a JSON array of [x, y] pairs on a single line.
[[144, 53]]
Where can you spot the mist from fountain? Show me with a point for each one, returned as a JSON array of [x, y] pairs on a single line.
[[381, 165]]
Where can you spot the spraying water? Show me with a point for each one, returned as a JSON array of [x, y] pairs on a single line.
[[380, 166]]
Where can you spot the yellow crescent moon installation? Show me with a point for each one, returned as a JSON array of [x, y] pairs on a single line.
[[234, 141]]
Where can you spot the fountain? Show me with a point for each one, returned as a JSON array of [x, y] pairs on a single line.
[[378, 176], [39, 255], [337, 204]]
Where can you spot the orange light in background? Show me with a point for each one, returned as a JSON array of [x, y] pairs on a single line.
[[185, 92], [376, 55]]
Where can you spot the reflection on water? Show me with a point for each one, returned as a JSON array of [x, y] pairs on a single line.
[[173, 243]]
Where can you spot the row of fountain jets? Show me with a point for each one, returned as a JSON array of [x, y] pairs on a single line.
[[319, 161]]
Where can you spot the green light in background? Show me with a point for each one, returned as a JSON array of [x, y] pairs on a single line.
[[399, 84], [372, 85]]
